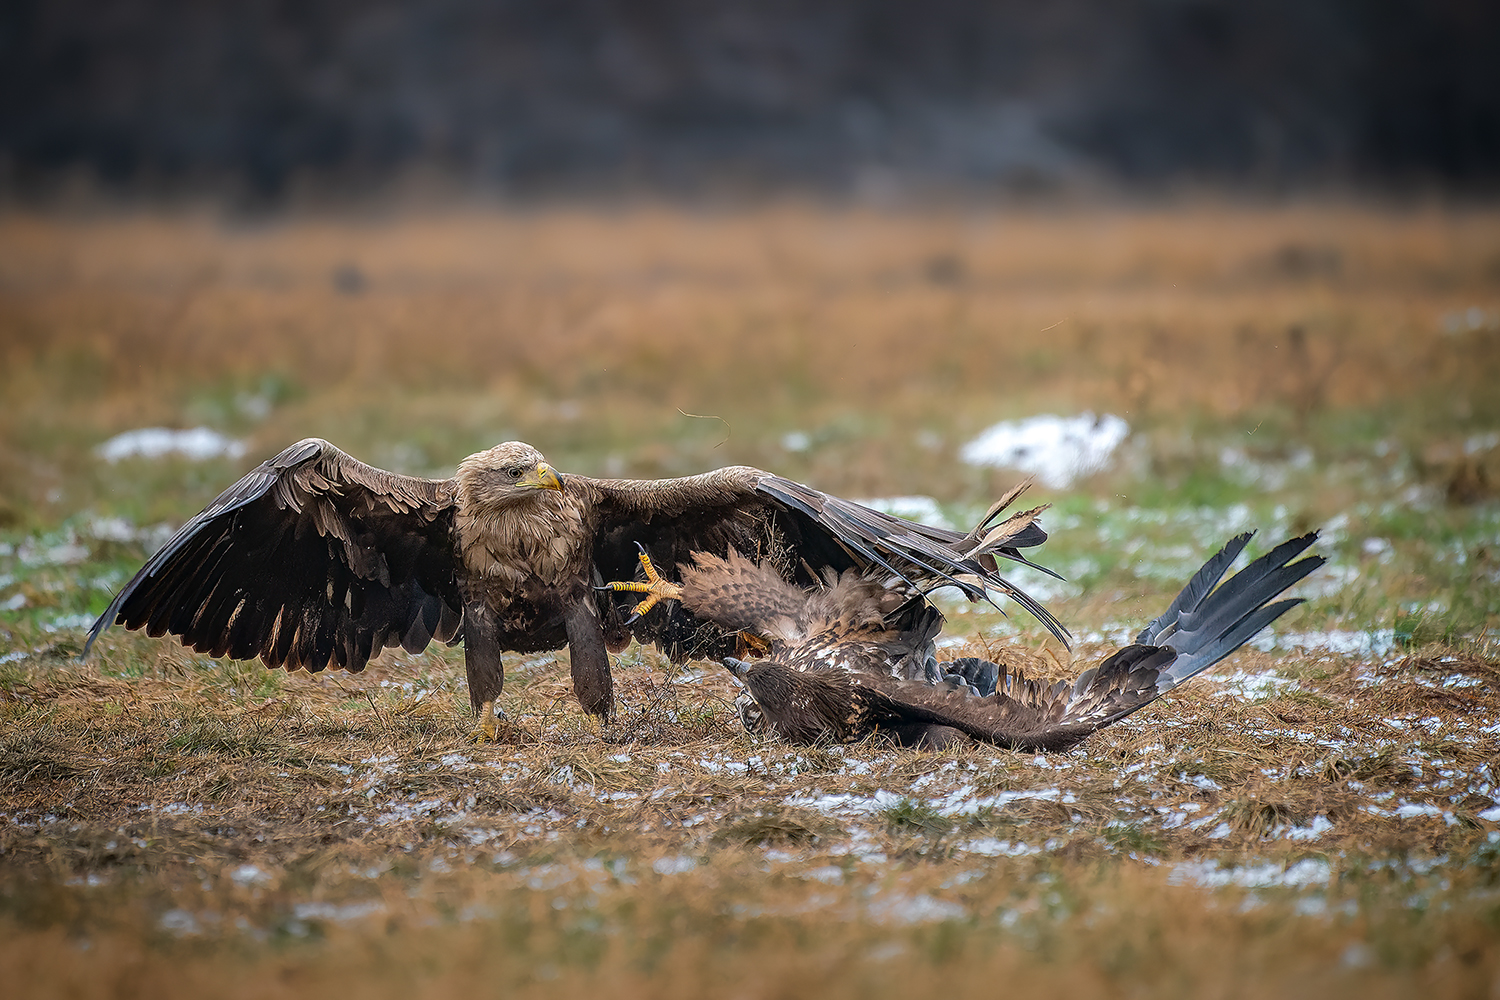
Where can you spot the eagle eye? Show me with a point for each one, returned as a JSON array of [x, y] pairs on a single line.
[[514, 472]]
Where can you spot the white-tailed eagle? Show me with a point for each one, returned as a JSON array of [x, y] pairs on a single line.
[[850, 658], [315, 559]]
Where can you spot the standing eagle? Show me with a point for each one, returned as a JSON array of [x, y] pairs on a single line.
[[852, 658], [315, 559]]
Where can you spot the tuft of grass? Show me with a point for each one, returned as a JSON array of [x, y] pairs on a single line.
[[1134, 839], [910, 816]]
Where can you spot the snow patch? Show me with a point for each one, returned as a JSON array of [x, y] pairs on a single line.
[[199, 444], [914, 910], [1341, 642], [248, 875], [674, 865], [1265, 875], [1059, 450], [341, 914]]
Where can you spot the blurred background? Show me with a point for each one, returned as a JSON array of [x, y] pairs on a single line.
[[273, 100]]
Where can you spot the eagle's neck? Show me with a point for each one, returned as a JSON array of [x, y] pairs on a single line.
[[539, 539]]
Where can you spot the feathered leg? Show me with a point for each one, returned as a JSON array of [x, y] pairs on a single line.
[[486, 672], [592, 681]]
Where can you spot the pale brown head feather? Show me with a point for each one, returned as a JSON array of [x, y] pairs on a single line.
[[515, 518]]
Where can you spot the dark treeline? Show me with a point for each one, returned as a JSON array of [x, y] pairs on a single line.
[[551, 95]]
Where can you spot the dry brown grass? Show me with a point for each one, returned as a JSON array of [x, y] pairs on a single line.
[[1302, 823], [218, 827]]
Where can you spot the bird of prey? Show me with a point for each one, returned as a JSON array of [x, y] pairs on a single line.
[[314, 559], [851, 659]]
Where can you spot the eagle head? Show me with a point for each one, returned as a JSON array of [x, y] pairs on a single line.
[[803, 706], [509, 473]]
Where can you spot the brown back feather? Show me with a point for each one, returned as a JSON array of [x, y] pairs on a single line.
[[1024, 714], [853, 622]]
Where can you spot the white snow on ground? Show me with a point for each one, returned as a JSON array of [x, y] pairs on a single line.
[[674, 865], [1244, 684], [1320, 825], [1262, 875], [796, 441], [248, 875], [198, 444], [68, 621], [1059, 450], [1376, 642], [961, 802], [991, 847], [918, 909]]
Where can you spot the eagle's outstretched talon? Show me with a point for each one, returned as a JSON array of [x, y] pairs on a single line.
[[656, 588]]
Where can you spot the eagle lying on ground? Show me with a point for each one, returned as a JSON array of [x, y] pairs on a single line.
[[315, 559], [852, 658]]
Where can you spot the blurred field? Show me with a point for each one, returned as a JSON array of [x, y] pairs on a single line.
[[1317, 815]]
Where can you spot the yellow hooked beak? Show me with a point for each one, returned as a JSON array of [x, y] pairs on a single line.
[[545, 478]]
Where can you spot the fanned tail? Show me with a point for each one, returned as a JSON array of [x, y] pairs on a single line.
[[1204, 623], [1206, 627]]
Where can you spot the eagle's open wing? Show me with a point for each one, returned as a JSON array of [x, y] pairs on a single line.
[[310, 558], [1205, 623], [799, 530]]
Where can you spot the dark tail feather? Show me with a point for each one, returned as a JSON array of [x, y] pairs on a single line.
[[1201, 627], [1198, 587], [1210, 627]]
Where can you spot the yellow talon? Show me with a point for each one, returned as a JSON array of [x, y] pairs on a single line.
[[488, 730], [656, 587], [752, 645]]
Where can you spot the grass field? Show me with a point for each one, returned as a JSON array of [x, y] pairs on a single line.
[[1320, 814]]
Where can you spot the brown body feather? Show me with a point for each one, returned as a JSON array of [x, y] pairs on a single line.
[[314, 559]]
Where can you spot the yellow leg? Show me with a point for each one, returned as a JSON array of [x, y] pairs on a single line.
[[656, 587]]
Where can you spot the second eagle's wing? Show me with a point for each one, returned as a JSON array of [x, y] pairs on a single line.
[[1021, 714]]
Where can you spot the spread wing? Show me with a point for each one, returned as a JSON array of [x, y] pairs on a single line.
[[311, 558], [803, 533], [1205, 623], [1022, 714]]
